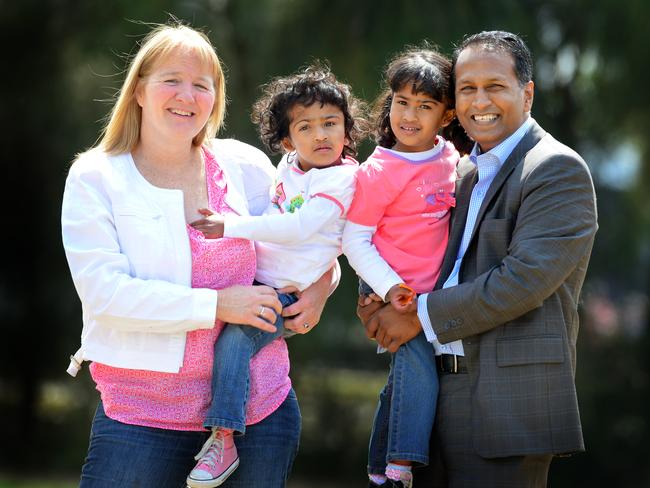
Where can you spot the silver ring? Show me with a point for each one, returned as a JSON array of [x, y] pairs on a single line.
[[306, 326], [261, 312]]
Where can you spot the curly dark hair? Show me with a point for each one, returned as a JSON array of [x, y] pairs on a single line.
[[313, 84], [427, 71]]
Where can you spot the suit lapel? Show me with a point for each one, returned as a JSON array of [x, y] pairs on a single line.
[[467, 178], [530, 140]]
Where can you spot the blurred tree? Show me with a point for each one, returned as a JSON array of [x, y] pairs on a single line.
[[49, 88]]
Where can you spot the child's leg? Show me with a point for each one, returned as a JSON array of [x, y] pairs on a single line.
[[233, 351], [378, 448], [413, 402]]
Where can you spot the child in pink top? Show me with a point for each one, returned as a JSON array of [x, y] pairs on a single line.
[[395, 239]]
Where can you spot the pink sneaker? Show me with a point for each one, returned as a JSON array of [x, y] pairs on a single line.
[[217, 460]]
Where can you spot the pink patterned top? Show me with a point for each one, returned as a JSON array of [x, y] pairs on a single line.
[[179, 401]]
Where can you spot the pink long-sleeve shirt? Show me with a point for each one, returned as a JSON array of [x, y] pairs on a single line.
[[408, 203]]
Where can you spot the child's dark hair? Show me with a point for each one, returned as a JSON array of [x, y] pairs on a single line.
[[427, 71], [313, 84]]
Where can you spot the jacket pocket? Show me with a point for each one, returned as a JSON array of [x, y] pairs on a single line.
[[515, 351], [139, 232]]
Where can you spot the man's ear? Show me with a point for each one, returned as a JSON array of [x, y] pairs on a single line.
[[529, 94]]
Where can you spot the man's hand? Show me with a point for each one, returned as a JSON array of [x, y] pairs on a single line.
[[389, 327]]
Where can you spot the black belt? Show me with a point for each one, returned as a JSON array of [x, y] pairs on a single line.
[[450, 363]]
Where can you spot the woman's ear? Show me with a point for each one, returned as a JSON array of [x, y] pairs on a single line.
[[138, 93]]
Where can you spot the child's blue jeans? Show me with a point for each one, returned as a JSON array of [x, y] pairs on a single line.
[[233, 350], [407, 406]]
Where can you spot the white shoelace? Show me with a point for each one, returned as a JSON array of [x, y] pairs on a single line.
[[212, 450]]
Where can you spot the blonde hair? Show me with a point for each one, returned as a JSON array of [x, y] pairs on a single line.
[[122, 131]]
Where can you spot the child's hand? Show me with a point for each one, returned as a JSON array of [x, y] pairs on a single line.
[[368, 299], [400, 296], [211, 226]]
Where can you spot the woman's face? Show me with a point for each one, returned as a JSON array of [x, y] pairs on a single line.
[[177, 98]]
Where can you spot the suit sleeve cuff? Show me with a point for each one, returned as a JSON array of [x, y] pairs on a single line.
[[423, 315]]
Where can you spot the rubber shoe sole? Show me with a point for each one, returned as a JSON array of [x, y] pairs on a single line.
[[192, 483]]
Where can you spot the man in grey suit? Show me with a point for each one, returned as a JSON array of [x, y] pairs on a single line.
[[503, 319]]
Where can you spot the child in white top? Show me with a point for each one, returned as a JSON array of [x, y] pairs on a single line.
[[314, 119], [395, 240]]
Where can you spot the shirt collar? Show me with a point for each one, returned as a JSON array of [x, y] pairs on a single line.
[[416, 157], [502, 151]]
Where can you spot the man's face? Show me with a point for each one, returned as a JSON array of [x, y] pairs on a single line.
[[490, 102]]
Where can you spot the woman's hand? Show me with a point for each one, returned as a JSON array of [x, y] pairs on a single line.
[[256, 306], [367, 305], [302, 316], [212, 225]]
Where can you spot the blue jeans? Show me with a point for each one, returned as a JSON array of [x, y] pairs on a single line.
[[130, 456], [234, 348], [406, 408], [407, 405]]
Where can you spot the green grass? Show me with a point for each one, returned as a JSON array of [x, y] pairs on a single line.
[[15, 482], [337, 407]]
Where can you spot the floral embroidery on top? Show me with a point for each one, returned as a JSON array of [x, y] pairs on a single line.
[[295, 203], [442, 202], [279, 197]]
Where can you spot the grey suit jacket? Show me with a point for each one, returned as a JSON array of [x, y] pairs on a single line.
[[516, 305]]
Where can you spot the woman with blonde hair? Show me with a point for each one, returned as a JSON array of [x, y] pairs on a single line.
[[156, 294]]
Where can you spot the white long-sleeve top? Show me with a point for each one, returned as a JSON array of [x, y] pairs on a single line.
[[299, 236], [137, 299], [359, 249]]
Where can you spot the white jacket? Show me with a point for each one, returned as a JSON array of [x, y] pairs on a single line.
[[129, 255]]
